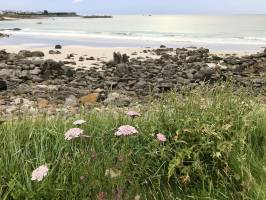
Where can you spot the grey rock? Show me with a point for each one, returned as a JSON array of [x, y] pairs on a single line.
[[58, 46], [3, 85], [71, 101], [24, 53], [35, 71], [54, 52], [117, 99], [118, 58], [90, 58], [37, 54], [122, 69]]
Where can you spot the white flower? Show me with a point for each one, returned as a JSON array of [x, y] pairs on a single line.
[[73, 133], [39, 173], [79, 122], [113, 173], [126, 130]]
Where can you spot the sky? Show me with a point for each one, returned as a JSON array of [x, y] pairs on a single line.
[[140, 6]]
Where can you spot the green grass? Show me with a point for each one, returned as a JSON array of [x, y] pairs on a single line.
[[215, 149]]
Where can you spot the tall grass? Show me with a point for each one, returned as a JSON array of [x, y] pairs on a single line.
[[214, 150]]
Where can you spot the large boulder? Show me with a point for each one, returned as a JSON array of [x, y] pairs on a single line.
[[3, 85], [118, 58], [24, 53], [3, 55], [51, 68], [37, 54]]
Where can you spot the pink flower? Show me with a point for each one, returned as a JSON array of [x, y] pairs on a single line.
[[79, 122], [73, 133], [126, 130], [39, 173], [161, 137], [133, 114]]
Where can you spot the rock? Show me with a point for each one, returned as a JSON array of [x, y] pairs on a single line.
[[122, 69], [117, 99], [25, 75], [81, 59], [162, 46], [265, 50], [37, 54], [71, 101], [3, 35], [90, 58], [10, 109], [53, 68], [118, 58], [58, 46], [3, 55], [24, 53], [54, 52], [125, 58], [70, 56], [35, 71], [43, 103], [89, 99], [3, 85], [192, 59]]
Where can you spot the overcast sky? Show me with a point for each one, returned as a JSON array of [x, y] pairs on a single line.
[[140, 6]]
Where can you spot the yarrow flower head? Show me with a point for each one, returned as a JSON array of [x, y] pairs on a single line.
[[161, 137], [39, 173], [113, 173], [79, 122], [126, 130], [133, 114], [73, 133]]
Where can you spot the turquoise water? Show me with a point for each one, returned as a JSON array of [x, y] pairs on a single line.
[[242, 31]]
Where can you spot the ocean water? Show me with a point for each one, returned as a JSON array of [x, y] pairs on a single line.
[[243, 32]]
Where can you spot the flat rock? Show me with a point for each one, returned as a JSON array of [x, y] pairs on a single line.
[[89, 99]]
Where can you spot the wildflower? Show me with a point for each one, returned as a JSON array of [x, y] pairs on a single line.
[[101, 196], [120, 158], [118, 193], [137, 197], [126, 130], [73, 133], [185, 180], [39, 173], [113, 173], [79, 122], [133, 114], [161, 137], [81, 178]]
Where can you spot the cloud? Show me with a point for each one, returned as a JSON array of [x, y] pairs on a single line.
[[77, 1]]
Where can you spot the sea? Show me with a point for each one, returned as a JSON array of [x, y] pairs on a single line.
[[217, 32]]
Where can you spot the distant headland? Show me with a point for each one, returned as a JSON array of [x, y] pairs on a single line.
[[25, 15], [9, 15]]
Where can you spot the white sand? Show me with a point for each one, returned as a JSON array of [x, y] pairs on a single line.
[[100, 54]]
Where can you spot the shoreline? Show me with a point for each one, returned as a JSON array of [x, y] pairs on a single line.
[[34, 81]]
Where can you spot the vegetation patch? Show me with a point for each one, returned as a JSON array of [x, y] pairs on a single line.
[[207, 143]]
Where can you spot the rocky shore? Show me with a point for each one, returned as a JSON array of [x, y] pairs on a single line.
[[32, 85]]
